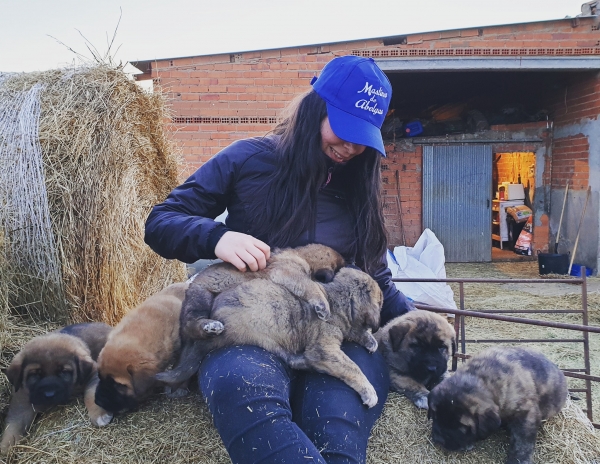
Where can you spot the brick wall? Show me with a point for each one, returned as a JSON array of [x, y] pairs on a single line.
[[217, 99], [221, 98], [511, 165], [570, 161], [403, 199], [577, 101]]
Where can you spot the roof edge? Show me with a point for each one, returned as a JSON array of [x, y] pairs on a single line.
[[144, 63]]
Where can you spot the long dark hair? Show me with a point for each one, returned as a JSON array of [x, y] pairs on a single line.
[[302, 169]]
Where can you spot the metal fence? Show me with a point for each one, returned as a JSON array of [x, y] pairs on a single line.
[[582, 373]]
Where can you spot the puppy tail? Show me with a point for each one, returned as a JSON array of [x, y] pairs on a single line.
[[186, 367]]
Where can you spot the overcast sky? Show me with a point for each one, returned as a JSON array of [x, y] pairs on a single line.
[[30, 30]]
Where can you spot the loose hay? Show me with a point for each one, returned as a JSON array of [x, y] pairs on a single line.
[[76, 189], [181, 431]]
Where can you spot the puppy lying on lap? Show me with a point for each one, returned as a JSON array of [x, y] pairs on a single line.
[[416, 347], [262, 313], [49, 371], [503, 386], [144, 343], [297, 269]]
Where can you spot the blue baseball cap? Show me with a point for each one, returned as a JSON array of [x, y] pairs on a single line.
[[358, 95]]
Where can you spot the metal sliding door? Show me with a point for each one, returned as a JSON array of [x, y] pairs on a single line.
[[457, 184]]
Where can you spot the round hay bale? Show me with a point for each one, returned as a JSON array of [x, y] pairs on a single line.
[[85, 157]]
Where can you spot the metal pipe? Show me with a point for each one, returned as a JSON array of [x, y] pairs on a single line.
[[444, 142], [462, 318], [526, 340], [586, 341], [520, 320], [493, 281]]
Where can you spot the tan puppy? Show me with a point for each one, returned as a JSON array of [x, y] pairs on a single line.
[[50, 370], [144, 343], [514, 387], [262, 313], [416, 347], [293, 268]]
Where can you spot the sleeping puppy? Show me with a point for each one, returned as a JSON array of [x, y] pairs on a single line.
[[144, 343], [49, 371], [293, 268], [514, 387], [416, 347], [262, 313]]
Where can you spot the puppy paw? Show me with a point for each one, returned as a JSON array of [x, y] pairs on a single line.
[[321, 308], [421, 402], [176, 393], [371, 344], [213, 327], [8, 441], [102, 420], [369, 397]]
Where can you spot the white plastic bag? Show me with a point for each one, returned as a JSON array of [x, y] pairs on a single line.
[[425, 260]]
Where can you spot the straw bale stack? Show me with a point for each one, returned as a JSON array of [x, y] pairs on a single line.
[[83, 158]]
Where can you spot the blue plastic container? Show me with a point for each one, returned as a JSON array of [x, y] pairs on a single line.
[[576, 270], [412, 129]]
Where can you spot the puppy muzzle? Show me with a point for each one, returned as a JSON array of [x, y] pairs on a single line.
[[50, 391]]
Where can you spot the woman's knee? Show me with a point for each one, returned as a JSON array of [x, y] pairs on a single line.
[[231, 377], [372, 365]]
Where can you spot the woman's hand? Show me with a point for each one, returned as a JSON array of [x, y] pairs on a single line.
[[243, 251]]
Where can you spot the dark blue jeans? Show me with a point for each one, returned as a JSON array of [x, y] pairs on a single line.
[[267, 413]]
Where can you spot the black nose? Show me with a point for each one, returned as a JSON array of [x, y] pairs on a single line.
[[431, 368], [49, 393], [324, 275]]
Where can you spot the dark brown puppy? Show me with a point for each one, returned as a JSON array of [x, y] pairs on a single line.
[[262, 313], [416, 347], [49, 371], [514, 387], [144, 343], [293, 268]]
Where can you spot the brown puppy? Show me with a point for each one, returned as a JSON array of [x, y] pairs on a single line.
[[144, 343], [292, 268], [416, 347], [49, 371], [514, 387], [262, 313]]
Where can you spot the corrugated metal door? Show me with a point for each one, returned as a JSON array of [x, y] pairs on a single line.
[[457, 184]]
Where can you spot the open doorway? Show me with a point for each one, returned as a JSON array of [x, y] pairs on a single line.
[[513, 187]]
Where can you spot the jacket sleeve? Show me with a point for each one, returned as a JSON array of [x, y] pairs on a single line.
[[395, 303], [183, 226]]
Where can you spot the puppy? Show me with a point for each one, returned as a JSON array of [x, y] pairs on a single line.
[[292, 268], [514, 387], [416, 347], [49, 371], [262, 313], [144, 343]]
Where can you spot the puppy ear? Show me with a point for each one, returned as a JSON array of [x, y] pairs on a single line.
[[15, 370], [141, 381], [487, 422], [85, 367], [397, 334]]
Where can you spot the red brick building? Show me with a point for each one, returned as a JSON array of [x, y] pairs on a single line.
[[514, 103]]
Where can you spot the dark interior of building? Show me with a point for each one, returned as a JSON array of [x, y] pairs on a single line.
[[467, 102]]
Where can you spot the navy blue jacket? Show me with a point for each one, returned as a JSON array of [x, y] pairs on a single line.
[[183, 226]]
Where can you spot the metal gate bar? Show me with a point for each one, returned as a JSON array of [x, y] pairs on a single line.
[[585, 328]]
